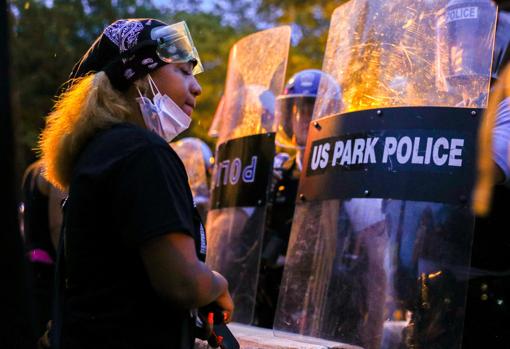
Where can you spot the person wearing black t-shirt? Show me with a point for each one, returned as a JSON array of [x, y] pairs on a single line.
[[130, 264], [40, 221]]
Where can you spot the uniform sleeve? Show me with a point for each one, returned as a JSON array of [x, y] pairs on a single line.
[[153, 196], [501, 139]]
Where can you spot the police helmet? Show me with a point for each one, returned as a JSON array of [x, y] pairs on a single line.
[[295, 106]]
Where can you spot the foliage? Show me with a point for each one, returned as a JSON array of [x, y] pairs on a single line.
[[48, 37], [213, 41], [310, 25], [46, 42]]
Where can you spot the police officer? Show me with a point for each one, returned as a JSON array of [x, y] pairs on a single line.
[[488, 300], [487, 315], [294, 111]]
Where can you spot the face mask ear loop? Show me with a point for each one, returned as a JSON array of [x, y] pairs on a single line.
[[141, 96], [153, 85]]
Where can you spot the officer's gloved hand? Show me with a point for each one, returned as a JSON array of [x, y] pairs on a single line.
[[272, 252], [278, 162]]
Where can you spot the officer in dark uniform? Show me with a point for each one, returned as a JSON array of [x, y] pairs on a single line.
[[487, 312], [488, 301], [294, 109]]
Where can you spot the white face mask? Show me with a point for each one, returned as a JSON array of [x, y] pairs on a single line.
[[162, 116]]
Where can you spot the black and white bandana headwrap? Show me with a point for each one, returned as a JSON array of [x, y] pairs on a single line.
[[124, 51]]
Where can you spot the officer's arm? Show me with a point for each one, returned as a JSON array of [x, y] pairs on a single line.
[[179, 276], [499, 175], [501, 143]]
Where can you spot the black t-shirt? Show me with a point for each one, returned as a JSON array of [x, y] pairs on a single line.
[[35, 217], [491, 241], [128, 186]]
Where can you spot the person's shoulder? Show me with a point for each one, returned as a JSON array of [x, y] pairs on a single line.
[[132, 134], [33, 168], [120, 143], [125, 138], [33, 171], [136, 139]]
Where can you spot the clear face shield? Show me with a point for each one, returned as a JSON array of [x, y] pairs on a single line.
[[175, 45], [254, 111], [460, 66], [294, 113]]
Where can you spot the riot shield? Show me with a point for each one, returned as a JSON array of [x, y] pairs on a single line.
[[197, 159], [244, 157], [214, 129], [380, 245]]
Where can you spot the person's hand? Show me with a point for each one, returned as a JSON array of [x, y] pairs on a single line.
[[225, 302], [44, 341]]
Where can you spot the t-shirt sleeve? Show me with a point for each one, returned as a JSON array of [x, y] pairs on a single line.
[[153, 196], [501, 138]]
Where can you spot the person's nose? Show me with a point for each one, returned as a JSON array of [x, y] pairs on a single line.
[[195, 88]]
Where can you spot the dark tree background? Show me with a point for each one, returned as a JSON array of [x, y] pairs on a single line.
[[48, 37]]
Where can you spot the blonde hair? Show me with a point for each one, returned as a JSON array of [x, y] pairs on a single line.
[[89, 105], [482, 194]]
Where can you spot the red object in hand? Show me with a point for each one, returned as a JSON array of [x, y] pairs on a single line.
[[210, 319]]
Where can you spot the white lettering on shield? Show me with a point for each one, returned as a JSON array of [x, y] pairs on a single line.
[[458, 14], [439, 152], [231, 171], [406, 150]]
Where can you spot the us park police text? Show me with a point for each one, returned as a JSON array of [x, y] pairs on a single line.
[[233, 171], [435, 151]]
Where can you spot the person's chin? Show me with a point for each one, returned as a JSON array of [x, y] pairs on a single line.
[[188, 110]]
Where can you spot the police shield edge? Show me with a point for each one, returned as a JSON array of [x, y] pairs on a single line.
[[244, 157], [197, 159], [381, 238]]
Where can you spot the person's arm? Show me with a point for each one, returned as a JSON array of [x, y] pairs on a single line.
[[180, 277], [501, 142], [55, 198], [155, 215]]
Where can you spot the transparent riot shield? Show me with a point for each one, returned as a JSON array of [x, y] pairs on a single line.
[[244, 157], [214, 129], [197, 159], [380, 246]]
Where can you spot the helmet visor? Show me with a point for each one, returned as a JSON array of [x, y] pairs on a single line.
[[175, 45], [294, 113]]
